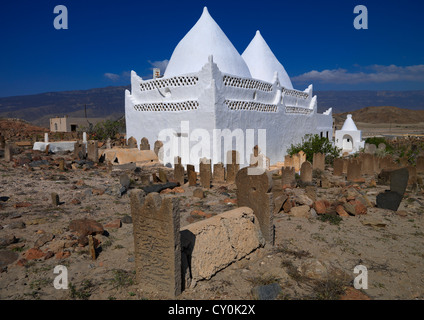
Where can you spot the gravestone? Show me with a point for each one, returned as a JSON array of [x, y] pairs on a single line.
[[218, 173], [144, 145], [158, 144], [420, 164], [412, 175], [338, 167], [62, 164], [205, 173], [192, 175], [132, 142], [288, 161], [296, 162], [288, 178], [345, 164], [233, 165], [404, 161], [318, 161], [79, 151], [306, 172], [353, 170], [254, 191], [55, 199], [179, 173], [388, 200], [370, 148], [399, 180], [157, 244], [367, 164], [381, 146], [162, 176], [93, 151], [302, 157], [108, 143], [8, 152]]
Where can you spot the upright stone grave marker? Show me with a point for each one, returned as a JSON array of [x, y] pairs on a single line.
[[318, 161], [157, 244], [205, 173], [254, 191], [306, 172]]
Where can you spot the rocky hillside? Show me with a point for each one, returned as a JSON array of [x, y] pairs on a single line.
[[382, 115]]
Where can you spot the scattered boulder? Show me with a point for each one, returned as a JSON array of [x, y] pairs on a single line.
[[267, 292], [85, 227], [115, 224], [7, 257], [301, 211]]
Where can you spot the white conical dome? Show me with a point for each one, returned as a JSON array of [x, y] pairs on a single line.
[[204, 39], [262, 62], [349, 125]]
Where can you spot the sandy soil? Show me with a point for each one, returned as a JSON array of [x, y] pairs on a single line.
[[391, 249]]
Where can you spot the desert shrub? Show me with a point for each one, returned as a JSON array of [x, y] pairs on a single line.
[[315, 144], [377, 140], [105, 129]]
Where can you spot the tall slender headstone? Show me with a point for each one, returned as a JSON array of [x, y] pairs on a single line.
[[233, 165], [93, 151], [306, 172], [205, 173], [318, 161], [157, 244], [420, 164], [179, 171], [192, 175], [353, 170], [288, 178], [338, 167], [218, 173], [7, 152], [367, 164], [254, 191]]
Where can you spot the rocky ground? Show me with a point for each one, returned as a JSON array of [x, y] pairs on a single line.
[[313, 258]]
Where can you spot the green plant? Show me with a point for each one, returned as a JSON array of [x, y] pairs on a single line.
[[333, 219], [122, 278], [84, 292], [315, 144], [105, 129]]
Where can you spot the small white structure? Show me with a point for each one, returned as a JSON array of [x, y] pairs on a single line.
[[349, 138], [211, 87]]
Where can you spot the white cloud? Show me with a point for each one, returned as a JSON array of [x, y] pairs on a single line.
[[160, 64], [124, 76], [376, 74], [112, 76]]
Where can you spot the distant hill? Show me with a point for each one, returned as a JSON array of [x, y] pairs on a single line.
[[109, 103], [106, 102], [343, 101], [378, 115]]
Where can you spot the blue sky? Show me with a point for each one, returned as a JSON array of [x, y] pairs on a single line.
[[314, 40]]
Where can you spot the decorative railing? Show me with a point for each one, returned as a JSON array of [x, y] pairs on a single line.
[[250, 106], [295, 93], [168, 106], [230, 81], [169, 82], [298, 110]]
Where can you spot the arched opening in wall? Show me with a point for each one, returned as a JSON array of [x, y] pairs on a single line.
[[347, 143], [255, 95], [326, 134], [167, 92], [55, 127], [320, 134]]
